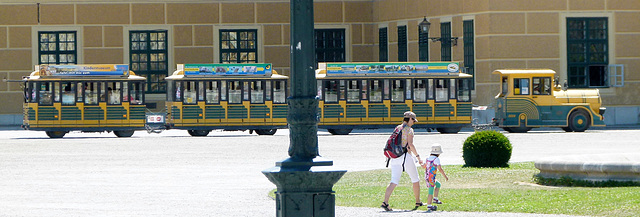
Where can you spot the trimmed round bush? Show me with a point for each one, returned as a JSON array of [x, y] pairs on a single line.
[[487, 149]]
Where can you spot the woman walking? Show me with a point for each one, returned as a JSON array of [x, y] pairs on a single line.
[[405, 162]]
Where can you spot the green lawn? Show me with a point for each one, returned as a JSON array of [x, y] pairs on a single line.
[[490, 190]]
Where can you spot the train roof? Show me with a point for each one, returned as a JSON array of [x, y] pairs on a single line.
[[83, 72], [225, 71], [390, 70]]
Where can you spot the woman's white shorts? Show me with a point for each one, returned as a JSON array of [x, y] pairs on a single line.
[[409, 166]]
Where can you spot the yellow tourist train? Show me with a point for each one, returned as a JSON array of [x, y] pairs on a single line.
[[376, 95], [205, 97], [87, 98]]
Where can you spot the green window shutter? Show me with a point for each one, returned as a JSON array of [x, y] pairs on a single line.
[[382, 45], [469, 54], [402, 43]]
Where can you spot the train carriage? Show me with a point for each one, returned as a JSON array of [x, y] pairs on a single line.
[[205, 97], [376, 95], [87, 98]]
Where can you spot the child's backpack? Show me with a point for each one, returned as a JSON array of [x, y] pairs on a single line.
[[393, 148], [430, 172]]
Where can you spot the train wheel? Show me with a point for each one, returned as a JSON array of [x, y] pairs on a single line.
[[266, 131], [449, 130], [579, 121], [339, 131], [124, 133], [198, 132], [56, 134]]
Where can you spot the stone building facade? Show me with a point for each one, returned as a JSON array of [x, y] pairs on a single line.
[[590, 43]]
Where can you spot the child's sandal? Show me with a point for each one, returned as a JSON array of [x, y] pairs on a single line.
[[385, 206]]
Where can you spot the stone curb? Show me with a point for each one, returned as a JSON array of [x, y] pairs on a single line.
[[602, 167]]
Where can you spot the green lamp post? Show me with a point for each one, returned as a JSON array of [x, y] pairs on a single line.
[[305, 180]]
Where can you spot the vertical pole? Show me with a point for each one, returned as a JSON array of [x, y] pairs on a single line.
[[303, 127], [304, 180]]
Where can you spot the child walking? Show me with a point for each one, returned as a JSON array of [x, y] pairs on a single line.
[[432, 166]]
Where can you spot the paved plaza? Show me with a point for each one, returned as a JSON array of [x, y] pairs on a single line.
[[174, 174]]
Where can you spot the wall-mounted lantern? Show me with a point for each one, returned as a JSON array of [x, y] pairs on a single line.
[[424, 26]]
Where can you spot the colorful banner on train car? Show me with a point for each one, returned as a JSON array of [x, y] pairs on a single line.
[[384, 68], [256, 69], [84, 70]]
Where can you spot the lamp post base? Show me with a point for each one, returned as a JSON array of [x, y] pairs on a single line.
[[304, 187]]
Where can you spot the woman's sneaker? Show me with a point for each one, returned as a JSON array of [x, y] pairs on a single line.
[[436, 201], [432, 207]]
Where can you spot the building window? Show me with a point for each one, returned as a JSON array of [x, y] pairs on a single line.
[[148, 57], [423, 45], [445, 49], [239, 46], [382, 45], [330, 45], [402, 43], [469, 57], [57, 48], [587, 52]]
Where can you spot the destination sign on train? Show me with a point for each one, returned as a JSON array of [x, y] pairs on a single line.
[[389, 68], [261, 69], [84, 70]]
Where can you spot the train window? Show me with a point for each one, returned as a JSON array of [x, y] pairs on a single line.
[[136, 93], [170, 91], [235, 92], [452, 88], [353, 91], [279, 92], [342, 90], [114, 90], [45, 94], [213, 92], [408, 89], [26, 92], [319, 85], [376, 90], [397, 90], [257, 92], [521, 86], [385, 89], [464, 90], [267, 92], [68, 93], [245, 91], [90, 93], [56, 91], [101, 91], [79, 88], [505, 85], [190, 92], [419, 90], [223, 90], [430, 87], [541, 86], [364, 89], [200, 91], [33, 87], [331, 91], [442, 89]]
